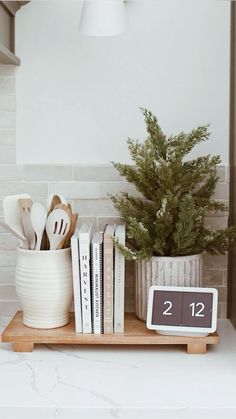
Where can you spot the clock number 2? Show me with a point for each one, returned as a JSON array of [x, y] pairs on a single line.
[[167, 310], [194, 307]]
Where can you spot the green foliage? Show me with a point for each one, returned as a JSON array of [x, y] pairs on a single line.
[[175, 195]]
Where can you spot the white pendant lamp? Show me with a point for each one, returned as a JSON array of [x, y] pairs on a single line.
[[103, 18]]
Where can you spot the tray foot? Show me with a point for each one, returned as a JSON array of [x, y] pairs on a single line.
[[23, 347], [196, 348]]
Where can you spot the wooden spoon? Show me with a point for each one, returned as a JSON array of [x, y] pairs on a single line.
[[73, 222], [53, 201], [64, 207], [57, 227], [70, 208], [66, 243], [38, 219]]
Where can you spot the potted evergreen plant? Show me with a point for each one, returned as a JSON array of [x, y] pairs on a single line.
[[165, 230]]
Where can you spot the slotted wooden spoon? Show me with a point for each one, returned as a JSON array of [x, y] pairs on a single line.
[[57, 227], [73, 222]]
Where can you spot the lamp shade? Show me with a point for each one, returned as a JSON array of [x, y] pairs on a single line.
[[103, 18]]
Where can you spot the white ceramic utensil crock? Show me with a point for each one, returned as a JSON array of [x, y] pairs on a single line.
[[44, 287]]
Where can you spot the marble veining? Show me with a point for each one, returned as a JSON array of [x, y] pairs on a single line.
[[101, 382], [75, 355]]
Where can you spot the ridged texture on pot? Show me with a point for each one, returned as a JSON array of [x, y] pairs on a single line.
[[44, 287], [183, 271]]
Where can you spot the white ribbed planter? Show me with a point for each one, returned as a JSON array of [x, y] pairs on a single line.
[[44, 287], [184, 271]]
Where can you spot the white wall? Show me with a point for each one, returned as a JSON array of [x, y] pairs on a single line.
[[78, 97]]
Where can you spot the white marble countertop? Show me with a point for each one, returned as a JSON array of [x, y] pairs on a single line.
[[62, 381]]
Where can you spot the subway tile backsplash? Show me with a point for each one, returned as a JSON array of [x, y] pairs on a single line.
[[91, 173], [86, 187], [7, 103], [7, 84], [7, 155], [8, 138], [47, 173], [39, 189], [7, 119]]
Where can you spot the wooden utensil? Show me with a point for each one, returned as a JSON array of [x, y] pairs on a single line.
[[54, 200], [73, 222], [11, 211], [38, 220], [24, 244], [57, 227], [66, 243], [70, 208], [64, 207], [25, 210]]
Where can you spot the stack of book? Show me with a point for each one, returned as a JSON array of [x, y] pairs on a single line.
[[98, 279]]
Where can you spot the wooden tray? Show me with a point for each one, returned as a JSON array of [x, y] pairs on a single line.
[[136, 333]]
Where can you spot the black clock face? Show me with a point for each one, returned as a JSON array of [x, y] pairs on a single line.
[[180, 308]]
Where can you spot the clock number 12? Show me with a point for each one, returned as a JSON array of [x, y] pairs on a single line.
[[195, 307]]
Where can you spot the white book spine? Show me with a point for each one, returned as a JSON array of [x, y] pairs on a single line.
[[84, 248], [119, 284], [97, 288], [76, 283]]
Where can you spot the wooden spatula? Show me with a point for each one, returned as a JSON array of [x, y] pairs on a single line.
[[11, 211], [25, 210]]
